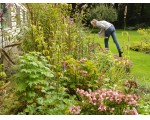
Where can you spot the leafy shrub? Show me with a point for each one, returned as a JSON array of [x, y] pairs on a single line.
[[141, 47], [114, 68], [32, 78], [53, 103], [35, 87], [144, 44], [141, 25], [81, 73], [145, 34], [102, 12], [55, 39], [103, 70], [144, 104]]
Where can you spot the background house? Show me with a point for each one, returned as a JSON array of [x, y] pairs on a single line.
[[13, 16]]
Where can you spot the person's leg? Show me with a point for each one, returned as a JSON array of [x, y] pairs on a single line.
[[113, 34], [106, 43], [106, 39], [116, 43]]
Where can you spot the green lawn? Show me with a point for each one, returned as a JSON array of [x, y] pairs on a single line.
[[140, 61]]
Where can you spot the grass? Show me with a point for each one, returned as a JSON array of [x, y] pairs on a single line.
[[140, 61]]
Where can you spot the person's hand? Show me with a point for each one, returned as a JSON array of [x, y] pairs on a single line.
[[102, 36]]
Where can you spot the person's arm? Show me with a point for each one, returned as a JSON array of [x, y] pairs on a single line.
[[101, 31], [100, 25]]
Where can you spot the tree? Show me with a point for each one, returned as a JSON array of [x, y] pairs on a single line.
[[102, 12], [137, 14]]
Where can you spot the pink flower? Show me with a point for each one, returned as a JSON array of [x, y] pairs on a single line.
[[94, 103], [112, 109], [135, 111], [87, 94], [131, 112], [104, 97], [102, 108], [75, 110]]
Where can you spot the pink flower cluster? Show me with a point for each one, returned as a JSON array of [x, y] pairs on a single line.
[[131, 99], [75, 110], [104, 97], [131, 112]]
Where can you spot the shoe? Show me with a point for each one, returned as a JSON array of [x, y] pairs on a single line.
[[120, 53]]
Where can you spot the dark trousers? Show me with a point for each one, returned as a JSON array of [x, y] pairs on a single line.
[[111, 31]]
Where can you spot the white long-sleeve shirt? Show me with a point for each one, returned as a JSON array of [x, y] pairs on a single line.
[[103, 25]]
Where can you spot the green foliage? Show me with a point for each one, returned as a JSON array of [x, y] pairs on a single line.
[[8, 99], [53, 103], [81, 73], [126, 44], [2, 73], [9, 102], [41, 88], [144, 105], [144, 44], [102, 12], [114, 68], [2, 82], [145, 34], [53, 31], [36, 89], [32, 38], [33, 76], [141, 47], [102, 70]]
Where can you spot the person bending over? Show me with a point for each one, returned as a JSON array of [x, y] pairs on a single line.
[[107, 29]]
